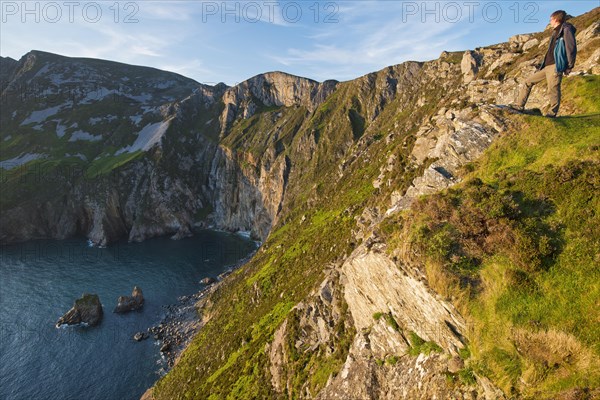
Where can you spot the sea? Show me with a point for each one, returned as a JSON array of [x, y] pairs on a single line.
[[39, 282]]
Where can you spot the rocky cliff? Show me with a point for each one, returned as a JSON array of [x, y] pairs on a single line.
[[363, 288], [112, 151]]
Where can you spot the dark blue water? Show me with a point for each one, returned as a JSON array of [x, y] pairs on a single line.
[[39, 281]]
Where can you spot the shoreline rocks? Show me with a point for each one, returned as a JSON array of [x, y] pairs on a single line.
[[178, 327], [86, 310], [208, 281], [182, 320], [138, 337], [130, 303]]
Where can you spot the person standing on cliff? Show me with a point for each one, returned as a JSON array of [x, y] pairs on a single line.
[[548, 68]]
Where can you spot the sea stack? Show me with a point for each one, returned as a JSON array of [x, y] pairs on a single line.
[[130, 303], [86, 310]]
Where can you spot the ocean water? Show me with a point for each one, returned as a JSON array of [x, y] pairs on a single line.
[[40, 280]]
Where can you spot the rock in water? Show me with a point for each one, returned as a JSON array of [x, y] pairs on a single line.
[[208, 281], [138, 337], [87, 309], [130, 303]]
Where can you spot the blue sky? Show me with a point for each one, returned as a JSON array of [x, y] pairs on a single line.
[[230, 41]]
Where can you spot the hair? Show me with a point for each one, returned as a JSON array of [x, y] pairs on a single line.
[[560, 16]]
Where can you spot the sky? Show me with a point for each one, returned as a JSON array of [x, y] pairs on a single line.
[[231, 41]]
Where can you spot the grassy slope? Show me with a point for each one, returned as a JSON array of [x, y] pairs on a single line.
[[517, 248], [499, 292], [227, 359], [45, 180]]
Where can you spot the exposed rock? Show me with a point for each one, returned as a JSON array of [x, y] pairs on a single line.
[[586, 36], [469, 66], [313, 325], [86, 310], [531, 44], [139, 336], [422, 377], [270, 89], [500, 62], [455, 364], [374, 283], [208, 280], [130, 303], [520, 39], [457, 138]]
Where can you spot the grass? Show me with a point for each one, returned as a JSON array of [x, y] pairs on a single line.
[[314, 231], [516, 229], [516, 248], [420, 346], [105, 165]]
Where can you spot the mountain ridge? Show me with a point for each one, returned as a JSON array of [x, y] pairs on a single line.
[[324, 175], [340, 335]]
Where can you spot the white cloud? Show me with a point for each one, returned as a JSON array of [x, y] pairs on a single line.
[[194, 67], [171, 11], [361, 43]]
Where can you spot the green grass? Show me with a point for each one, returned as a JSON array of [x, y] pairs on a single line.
[[105, 165], [420, 346], [516, 228], [467, 376], [516, 247], [391, 321]]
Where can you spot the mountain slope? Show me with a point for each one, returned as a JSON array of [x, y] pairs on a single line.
[[360, 288], [111, 151], [364, 290]]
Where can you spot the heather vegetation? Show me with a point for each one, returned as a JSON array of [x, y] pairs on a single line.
[[516, 248]]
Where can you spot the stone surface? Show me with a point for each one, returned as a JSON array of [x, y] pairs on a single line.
[[374, 283], [86, 310], [130, 303], [208, 280], [139, 336], [469, 66], [455, 364], [453, 139], [531, 44]]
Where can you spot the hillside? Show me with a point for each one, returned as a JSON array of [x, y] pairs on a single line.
[[419, 240], [364, 289]]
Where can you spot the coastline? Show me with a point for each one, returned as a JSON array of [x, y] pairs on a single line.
[[182, 321]]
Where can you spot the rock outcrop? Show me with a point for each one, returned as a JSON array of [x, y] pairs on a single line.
[[272, 89], [130, 303], [452, 139], [86, 310], [139, 336]]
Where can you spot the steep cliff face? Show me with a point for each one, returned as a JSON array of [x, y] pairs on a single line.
[[114, 151], [388, 299], [362, 289], [272, 89]]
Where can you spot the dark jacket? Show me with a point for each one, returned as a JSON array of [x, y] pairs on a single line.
[[567, 31]]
